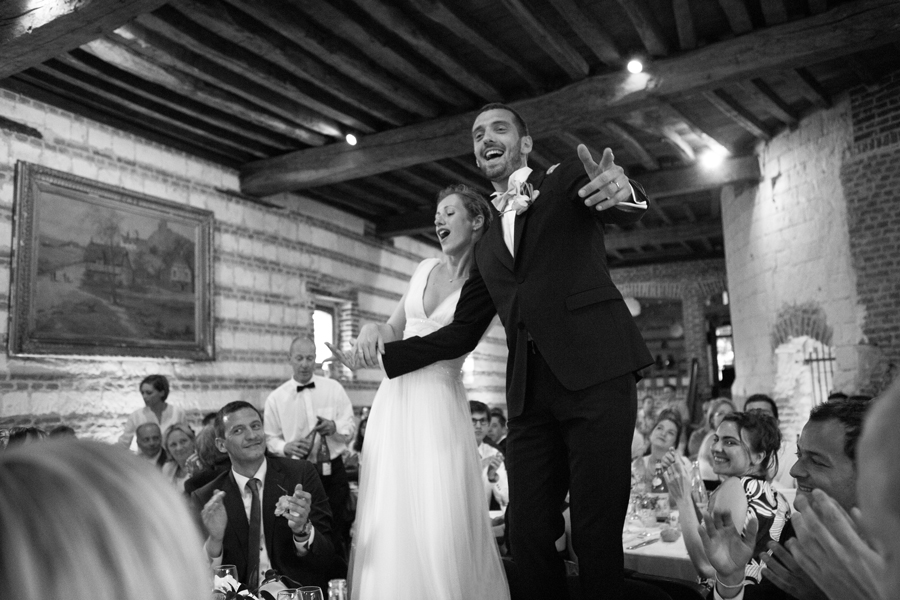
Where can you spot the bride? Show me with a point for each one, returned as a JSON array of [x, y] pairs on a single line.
[[423, 529]]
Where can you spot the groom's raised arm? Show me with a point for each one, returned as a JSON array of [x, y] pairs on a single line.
[[473, 315]]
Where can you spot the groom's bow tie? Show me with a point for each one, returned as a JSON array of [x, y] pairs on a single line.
[[309, 385]]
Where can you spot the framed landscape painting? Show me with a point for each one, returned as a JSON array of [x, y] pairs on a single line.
[[102, 271]]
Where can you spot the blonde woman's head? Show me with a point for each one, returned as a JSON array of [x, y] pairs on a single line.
[[88, 521]]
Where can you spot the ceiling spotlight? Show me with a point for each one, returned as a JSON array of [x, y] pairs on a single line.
[[351, 139], [713, 157], [635, 66]]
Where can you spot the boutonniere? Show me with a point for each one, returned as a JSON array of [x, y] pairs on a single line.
[[521, 197]]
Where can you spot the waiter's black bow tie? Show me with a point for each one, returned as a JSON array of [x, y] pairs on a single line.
[[309, 385]]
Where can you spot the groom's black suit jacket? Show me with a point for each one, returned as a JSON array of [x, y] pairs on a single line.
[[321, 563], [557, 291]]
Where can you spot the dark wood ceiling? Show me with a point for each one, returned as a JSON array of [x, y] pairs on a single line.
[[270, 87]]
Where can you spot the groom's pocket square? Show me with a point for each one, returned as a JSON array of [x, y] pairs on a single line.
[[592, 296]]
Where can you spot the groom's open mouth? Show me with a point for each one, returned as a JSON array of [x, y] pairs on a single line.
[[492, 153]]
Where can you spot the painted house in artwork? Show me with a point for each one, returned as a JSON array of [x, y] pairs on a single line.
[[104, 263]]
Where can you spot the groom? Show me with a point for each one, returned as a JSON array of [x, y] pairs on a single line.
[[574, 351]]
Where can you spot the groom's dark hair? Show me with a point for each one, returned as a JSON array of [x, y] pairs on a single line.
[[521, 126]]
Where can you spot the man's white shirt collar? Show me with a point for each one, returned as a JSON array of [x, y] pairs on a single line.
[[241, 481]]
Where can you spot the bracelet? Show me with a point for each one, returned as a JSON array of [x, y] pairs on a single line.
[[729, 587]]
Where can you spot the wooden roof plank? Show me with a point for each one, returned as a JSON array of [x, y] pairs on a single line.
[[280, 16], [203, 112], [568, 59], [601, 43], [442, 14], [395, 20], [697, 178], [677, 142], [647, 160], [30, 37], [384, 51], [848, 28], [774, 12], [220, 17], [163, 35], [737, 113], [151, 108], [23, 84], [760, 90], [144, 60], [651, 34], [684, 24], [811, 88], [737, 15], [672, 234]]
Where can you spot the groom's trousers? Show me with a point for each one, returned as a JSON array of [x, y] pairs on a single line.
[[577, 442]]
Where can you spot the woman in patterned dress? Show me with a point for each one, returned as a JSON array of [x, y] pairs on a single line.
[[745, 453]]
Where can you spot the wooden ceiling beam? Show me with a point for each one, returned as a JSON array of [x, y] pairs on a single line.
[[811, 88], [774, 12], [677, 142], [556, 47], [647, 160], [848, 28], [737, 113], [737, 15], [642, 19], [760, 90], [450, 174], [672, 234], [443, 15], [696, 178], [817, 6], [132, 54], [657, 210], [395, 20], [407, 196], [369, 194], [684, 24], [284, 19], [601, 43], [89, 63], [31, 33], [864, 72], [220, 18], [22, 83], [660, 184], [279, 98], [382, 50], [688, 213], [692, 125], [173, 120]]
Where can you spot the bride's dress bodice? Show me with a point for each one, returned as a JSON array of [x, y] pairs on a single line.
[[420, 324]]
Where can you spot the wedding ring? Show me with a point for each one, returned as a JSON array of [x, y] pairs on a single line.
[[617, 185]]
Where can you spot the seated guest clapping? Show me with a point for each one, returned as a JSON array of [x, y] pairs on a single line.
[[179, 445], [744, 453], [149, 442], [81, 520], [663, 438], [266, 512]]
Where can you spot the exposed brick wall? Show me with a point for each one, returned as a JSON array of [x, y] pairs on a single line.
[[268, 265], [690, 282], [871, 178]]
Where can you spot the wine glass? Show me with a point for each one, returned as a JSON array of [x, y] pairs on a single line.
[[224, 580], [310, 592], [291, 594]]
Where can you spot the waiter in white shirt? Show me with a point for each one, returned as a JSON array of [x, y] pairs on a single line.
[[304, 411]]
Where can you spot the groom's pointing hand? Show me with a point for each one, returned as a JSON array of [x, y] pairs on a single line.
[[608, 185]]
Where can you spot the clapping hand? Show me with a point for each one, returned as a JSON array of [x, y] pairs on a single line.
[[829, 548], [215, 520], [678, 480], [345, 358], [782, 570], [727, 551], [493, 463], [608, 186]]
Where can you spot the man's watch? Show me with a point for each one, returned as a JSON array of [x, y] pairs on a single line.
[[304, 533]]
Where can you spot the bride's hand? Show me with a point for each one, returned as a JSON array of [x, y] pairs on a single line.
[[369, 344], [346, 359]]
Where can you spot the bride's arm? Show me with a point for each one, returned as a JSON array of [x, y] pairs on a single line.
[[373, 336]]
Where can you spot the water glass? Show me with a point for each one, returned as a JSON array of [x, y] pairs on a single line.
[[310, 592]]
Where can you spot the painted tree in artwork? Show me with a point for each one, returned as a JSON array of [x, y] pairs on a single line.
[[106, 260]]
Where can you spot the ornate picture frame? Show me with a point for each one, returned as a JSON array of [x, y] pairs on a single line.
[[98, 270]]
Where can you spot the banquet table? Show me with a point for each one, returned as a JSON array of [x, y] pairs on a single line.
[[663, 559]]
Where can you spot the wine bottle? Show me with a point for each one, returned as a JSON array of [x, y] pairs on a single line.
[[323, 458]]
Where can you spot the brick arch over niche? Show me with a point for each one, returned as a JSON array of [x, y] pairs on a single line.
[[798, 320], [692, 283]]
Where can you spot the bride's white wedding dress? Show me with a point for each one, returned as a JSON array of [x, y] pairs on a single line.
[[423, 530]]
